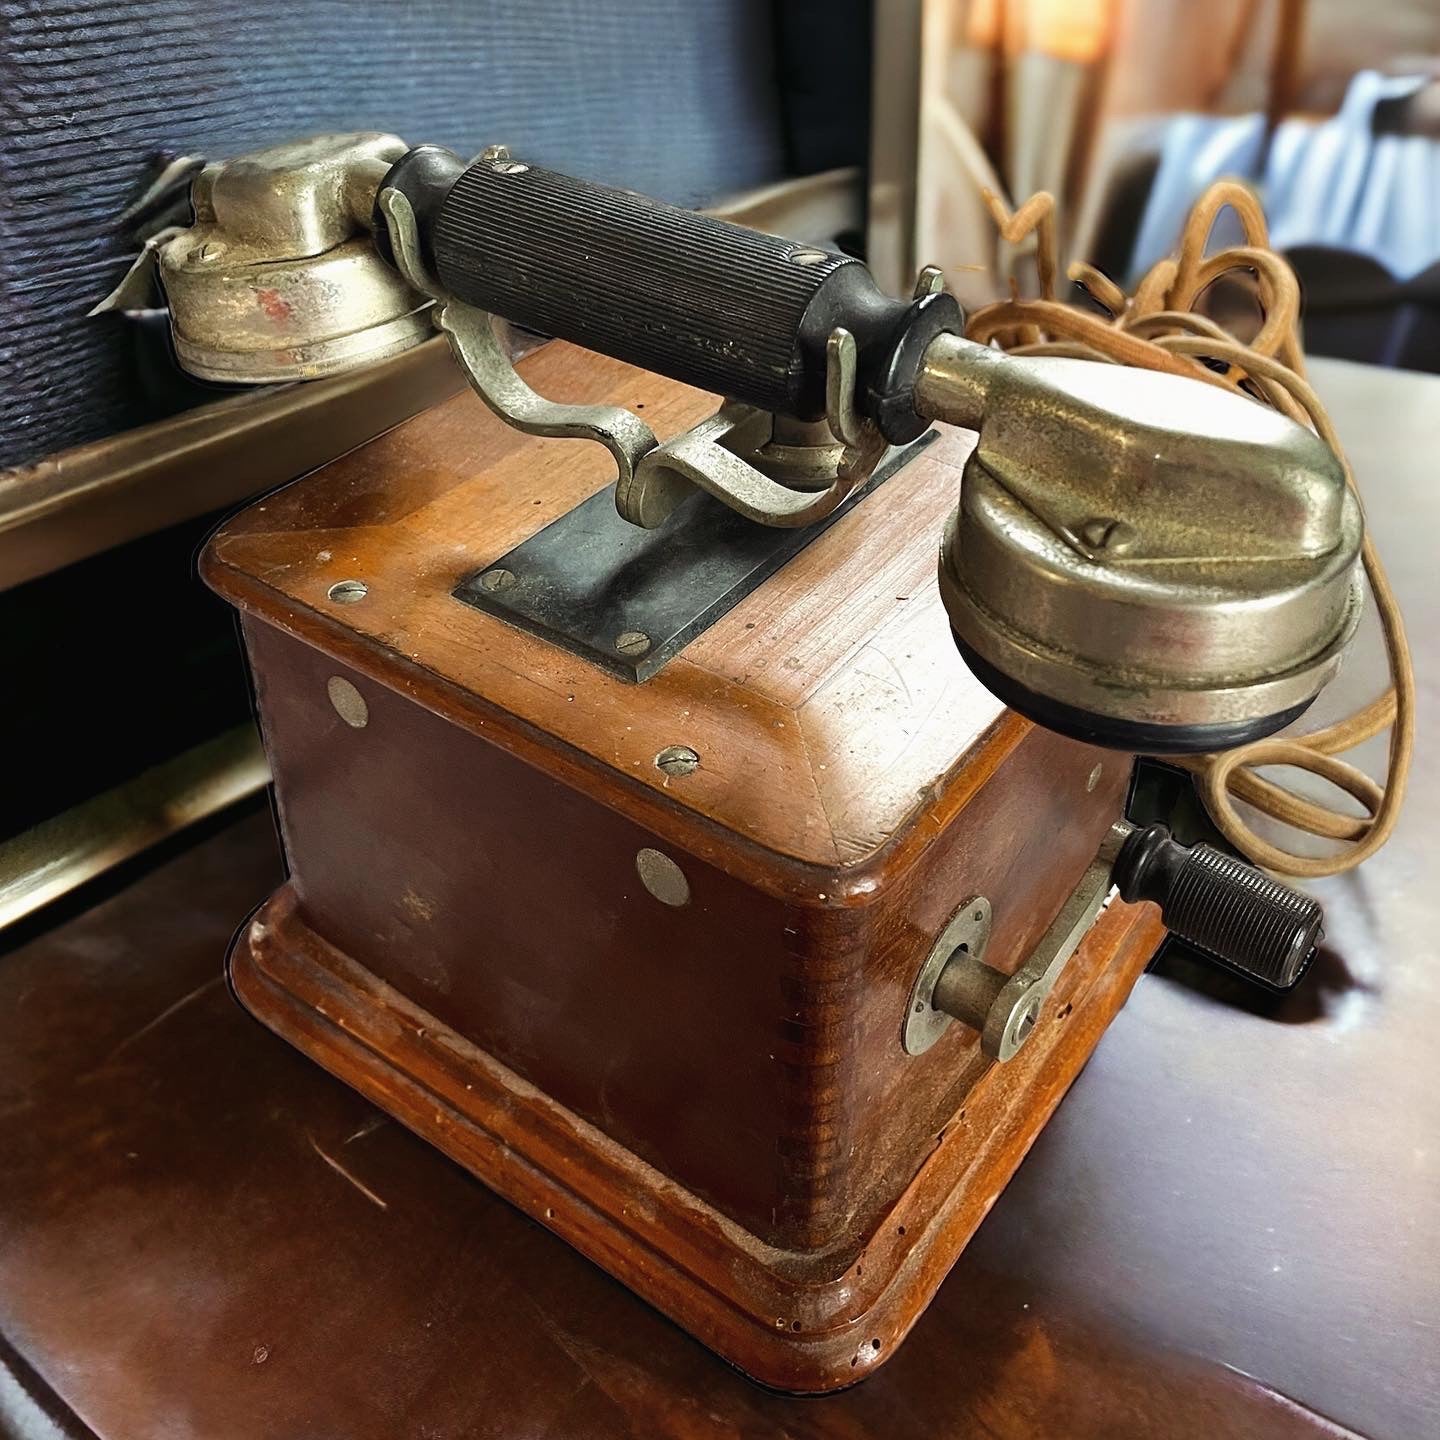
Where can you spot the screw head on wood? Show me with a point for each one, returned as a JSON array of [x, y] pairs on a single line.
[[678, 760], [347, 592]]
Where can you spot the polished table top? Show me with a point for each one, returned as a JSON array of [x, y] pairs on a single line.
[[1231, 1227]]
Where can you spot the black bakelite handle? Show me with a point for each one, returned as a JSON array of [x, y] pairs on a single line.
[[727, 309], [1231, 911]]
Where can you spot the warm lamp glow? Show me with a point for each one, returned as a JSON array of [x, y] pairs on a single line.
[[984, 21], [1077, 30]]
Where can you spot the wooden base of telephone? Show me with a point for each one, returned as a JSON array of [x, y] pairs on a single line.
[[661, 1007]]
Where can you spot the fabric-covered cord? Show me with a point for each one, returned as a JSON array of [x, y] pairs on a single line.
[[1158, 328]]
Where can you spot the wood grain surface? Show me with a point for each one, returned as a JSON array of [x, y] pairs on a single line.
[[730, 1067], [203, 1234], [802, 1320], [748, 1042], [1231, 1226], [823, 707]]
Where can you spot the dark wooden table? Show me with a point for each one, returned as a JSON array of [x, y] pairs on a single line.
[[1232, 1226]]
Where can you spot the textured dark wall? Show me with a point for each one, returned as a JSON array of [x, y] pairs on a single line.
[[673, 97], [823, 66]]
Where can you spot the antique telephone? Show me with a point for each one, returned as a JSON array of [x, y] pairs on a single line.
[[1137, 562]]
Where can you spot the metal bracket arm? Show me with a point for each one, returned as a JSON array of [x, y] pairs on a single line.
[[728, 455], [486, 362], [956, 981]]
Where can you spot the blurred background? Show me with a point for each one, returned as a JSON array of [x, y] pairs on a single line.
[[871, 126], [1126, 110], [1232, 1191]]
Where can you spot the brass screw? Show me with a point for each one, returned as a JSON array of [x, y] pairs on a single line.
[[632, 643], [677, 760], [494, 580]]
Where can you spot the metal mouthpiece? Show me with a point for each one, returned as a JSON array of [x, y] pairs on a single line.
[[279, 279]]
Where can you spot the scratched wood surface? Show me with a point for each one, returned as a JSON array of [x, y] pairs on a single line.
[[203, 1235], [822, 706], [1231, 1227], [808, 1319]]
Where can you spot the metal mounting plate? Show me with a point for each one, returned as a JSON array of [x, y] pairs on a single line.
[[968, 929], [590, 578]]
